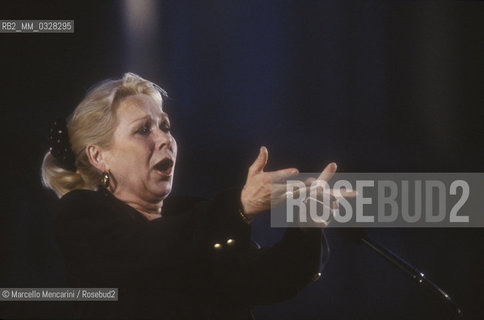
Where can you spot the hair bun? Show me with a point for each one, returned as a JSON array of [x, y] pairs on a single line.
[[60, 146]]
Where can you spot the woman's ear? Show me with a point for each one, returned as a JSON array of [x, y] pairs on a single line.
[[95, 156]]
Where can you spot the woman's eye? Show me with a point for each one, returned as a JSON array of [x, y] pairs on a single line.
[[165, 126], [144, 130]]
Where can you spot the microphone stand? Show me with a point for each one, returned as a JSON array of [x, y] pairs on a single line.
[[411, 271]]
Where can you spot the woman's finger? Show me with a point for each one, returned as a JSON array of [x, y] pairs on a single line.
[[338, 193], [278, 190], [343, 193], [291, 188], [260, 162], [281, 175], [328, 172]]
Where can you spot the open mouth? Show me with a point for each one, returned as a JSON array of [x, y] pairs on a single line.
[[164, 167]]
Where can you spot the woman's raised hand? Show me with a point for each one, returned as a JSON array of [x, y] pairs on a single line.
[[256, 194], [265, 188]]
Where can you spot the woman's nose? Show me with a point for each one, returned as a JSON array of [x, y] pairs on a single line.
[[163, 139]]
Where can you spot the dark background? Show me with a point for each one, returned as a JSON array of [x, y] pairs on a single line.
[[377, 86]]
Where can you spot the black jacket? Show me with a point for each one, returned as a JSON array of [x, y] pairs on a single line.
[[195, 262]]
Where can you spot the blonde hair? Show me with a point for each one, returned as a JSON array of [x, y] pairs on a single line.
[[93, 123]]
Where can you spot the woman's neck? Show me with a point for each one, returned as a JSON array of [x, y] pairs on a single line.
[[151, 210], [150, 213]]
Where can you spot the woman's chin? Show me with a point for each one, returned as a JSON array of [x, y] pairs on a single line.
[[162, 190]]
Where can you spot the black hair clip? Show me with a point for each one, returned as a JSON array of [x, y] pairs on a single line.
[[60, 146]]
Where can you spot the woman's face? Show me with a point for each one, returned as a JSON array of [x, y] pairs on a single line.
[[141, 158]]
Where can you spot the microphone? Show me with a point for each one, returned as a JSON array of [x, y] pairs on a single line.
[[359, 235]]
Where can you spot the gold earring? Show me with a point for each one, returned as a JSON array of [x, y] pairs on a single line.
[[105, 180]]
